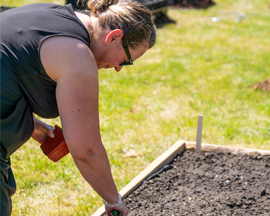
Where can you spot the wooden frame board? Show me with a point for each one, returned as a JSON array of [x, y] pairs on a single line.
[[169, 155], [190, 146]]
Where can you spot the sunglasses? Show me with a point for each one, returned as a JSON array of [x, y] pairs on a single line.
[[130, 62]]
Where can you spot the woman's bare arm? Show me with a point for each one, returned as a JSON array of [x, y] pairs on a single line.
[[71, 64]]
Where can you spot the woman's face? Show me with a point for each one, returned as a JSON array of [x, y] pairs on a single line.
[[115, 55]]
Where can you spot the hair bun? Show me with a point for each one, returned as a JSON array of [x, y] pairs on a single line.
[[133, 18]]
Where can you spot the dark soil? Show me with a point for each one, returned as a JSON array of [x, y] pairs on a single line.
[[162, 20], [206, 184], [4, 8], [191, 4]]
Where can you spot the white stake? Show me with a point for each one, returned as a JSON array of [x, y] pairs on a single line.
[[199, 134]]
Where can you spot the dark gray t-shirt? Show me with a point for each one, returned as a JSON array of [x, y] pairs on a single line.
[[23, 30]]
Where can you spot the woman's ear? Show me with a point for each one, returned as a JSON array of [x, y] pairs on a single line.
[[113, 35]]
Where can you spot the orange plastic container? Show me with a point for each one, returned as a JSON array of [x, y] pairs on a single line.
[[55, 148]]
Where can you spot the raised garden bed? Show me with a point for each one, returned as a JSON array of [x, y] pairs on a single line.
[[219, 181]]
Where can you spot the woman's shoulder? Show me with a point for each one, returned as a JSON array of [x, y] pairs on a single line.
[[61, 55]]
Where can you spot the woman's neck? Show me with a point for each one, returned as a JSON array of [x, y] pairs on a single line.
[[86, 21]]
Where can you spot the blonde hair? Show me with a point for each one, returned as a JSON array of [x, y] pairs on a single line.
[[133, 18]]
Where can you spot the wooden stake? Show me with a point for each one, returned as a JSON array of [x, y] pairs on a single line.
[[199, 134]]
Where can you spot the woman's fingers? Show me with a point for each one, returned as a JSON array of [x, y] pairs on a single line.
[[49, 130]]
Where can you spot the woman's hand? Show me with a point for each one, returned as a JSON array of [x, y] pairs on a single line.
[[41, 130], [122, 209]]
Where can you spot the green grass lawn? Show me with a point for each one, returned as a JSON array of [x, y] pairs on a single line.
[[197, 67]]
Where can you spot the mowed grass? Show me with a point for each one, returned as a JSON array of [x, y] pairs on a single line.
[[197, 67]]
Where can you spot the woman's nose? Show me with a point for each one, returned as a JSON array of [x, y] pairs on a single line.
[[118, 68]]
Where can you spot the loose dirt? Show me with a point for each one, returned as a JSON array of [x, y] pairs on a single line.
[[264, 86], [206, 184]]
